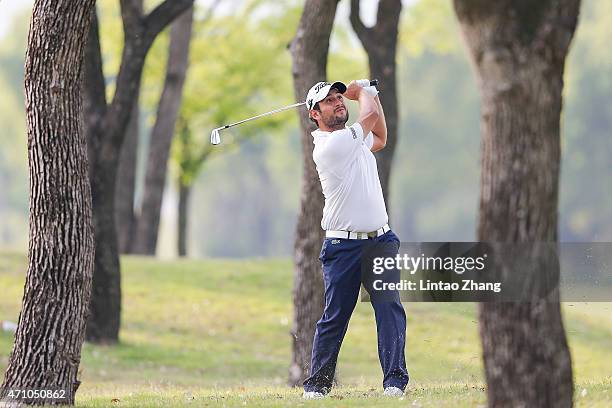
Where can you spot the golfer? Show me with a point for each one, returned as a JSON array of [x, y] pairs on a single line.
[[354, 214]]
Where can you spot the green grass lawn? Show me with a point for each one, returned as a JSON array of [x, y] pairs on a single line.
[[217, 332]]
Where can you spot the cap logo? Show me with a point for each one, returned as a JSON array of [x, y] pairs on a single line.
[[321, 86]]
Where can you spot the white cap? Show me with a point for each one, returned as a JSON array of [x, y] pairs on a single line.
[[320, 90]]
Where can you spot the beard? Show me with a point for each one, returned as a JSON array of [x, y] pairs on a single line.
[[336, 121]]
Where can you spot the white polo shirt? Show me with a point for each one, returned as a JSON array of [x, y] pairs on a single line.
[[349, 178]]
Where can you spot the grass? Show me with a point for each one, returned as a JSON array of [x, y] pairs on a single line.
[[217, 333]]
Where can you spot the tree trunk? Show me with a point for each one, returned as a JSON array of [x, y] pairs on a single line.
[[47, 349], [126, 183], [183, 216], [309, 50], [105, 307], [157, 164], [380, 43], [106, 126], [519, 51]]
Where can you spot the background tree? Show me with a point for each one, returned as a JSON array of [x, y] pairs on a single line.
[[309, 50], [147, 224], [519, 51], [47, 349], [106, 126], [380, 43], [189, 162], [125, 188]]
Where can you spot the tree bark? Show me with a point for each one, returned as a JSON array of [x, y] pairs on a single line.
[[183, 216], [518, 49], [125, 190], [147, 226], [106, 126], [105, 306], [309, 50], [51, 330], [380, 43]]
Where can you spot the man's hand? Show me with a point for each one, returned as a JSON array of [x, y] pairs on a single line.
[[353, 90], [365, 84]]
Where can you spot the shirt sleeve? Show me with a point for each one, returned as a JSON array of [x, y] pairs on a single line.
[[369, 140]]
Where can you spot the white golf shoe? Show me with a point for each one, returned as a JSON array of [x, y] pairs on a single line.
[[393, 392], [313, 395]]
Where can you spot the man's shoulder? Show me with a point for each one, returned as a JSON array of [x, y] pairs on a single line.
[[339, 143]]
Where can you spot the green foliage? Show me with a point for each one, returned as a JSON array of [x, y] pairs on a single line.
[[429, 25], [111, 42], [238, 63], [239, 67]]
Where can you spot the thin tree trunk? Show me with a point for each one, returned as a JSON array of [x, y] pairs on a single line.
[[126, 183], [380, 43], [519, 51], [106, 126], [309, 50], [183, 217], [157, 164], [51, 330], [105, 307]]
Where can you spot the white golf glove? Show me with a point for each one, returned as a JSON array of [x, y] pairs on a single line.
[[365, 84]]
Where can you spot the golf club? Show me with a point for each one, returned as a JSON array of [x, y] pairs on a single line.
[[215, 137]]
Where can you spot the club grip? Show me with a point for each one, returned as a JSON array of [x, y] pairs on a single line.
[[367, 82]]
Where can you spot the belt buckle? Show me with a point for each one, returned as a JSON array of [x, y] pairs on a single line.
[[372, 234]]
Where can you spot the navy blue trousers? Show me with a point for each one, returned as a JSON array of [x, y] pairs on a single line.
[[341, 259]]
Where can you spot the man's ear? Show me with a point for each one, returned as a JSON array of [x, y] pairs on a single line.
[[315, 114]]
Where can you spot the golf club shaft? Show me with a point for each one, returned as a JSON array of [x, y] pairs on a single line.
[[373, 82], [295, 105]]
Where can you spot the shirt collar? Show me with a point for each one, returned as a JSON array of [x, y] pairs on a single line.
[[319, 133]]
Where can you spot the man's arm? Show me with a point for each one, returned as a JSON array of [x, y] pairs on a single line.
[[368, 107], [380, 129]]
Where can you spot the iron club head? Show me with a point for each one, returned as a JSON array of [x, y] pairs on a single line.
[[215, 138]]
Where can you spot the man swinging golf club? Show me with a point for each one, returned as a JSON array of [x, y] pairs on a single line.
[[354, 214]]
